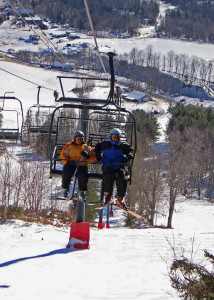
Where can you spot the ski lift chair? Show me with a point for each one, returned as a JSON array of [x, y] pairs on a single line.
[[10, 133], [14, 133]]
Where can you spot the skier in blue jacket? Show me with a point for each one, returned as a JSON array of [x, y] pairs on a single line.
[[114, 154]]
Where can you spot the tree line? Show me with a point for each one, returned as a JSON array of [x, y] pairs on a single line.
[[117, 16], [191, 69], [170, 73], [155, 72], [192, 19]]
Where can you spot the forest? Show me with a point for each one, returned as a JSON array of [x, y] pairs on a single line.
[[185, 165], [190, 19], [117, 16]]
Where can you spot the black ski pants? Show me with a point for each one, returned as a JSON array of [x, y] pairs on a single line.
[[82, 175], [109, 176]]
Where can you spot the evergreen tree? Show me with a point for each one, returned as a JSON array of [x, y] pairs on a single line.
[[147, 125], [187, 116], [193, 281]]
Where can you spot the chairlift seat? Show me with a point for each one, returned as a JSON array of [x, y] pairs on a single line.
[[9, 134], [42, 129]]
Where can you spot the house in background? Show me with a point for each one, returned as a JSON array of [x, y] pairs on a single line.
[[136, 96], [36, 20]]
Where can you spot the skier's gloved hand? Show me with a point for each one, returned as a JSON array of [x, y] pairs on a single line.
[[125, 160], [129, 156], [85, 154]]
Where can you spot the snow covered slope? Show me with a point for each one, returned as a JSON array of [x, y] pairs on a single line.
[[121, 263]]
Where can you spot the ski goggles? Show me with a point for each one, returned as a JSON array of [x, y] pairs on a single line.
[[79, 138], [115, 136]]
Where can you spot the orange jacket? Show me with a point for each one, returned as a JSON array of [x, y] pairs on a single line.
[[72, 151]]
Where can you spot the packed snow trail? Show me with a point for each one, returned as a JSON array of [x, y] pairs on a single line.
[[121, 263]]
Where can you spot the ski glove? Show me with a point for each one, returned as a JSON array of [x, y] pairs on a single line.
[[85, 154], [127, 158]]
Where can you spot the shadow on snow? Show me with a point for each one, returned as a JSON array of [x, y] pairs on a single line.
[[58, 251]]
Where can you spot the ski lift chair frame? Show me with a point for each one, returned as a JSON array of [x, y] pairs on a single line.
[[102, 105], [12, 133], [39, 128], [82, 100], [56, 146], [94, 138]]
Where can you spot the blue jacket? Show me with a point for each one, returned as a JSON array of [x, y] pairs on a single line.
[[115, 154]]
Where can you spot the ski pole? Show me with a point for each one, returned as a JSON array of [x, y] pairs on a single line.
[[81, 159], [75, 178]]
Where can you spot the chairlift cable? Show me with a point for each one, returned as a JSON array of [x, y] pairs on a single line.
[[32, 20], [94, 35], [23, 19], [44, 38], [47, 38], [26, 80]]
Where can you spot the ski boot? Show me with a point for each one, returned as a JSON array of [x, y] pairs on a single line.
[[83, 196], [121, 202], [66, 193], [107, 198]]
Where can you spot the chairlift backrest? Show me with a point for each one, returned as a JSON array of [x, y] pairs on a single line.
[[11, 132]]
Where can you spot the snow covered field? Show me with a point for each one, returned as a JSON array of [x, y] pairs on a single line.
[[121, 263], [18, 39]]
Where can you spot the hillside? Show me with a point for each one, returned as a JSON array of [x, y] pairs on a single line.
[[121, 263]]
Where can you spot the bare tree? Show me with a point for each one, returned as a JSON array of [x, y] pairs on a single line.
[[149, 56], [193, 68], [170, 60], [210, 70], [184, 65], [146, 189], [176, 170], [7, 182]]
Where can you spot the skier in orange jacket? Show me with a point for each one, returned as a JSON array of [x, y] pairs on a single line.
[[75, 156]]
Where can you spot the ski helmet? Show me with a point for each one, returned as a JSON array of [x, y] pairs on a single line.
[[78, 133], [116, 131]]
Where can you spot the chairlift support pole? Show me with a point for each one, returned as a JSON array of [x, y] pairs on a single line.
[[111, 65], [80, 213], [39, 88], [101, 224], [80, 216]]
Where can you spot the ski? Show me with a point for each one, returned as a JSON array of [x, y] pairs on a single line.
[[134, 214], [65, 198], [104, 205]]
